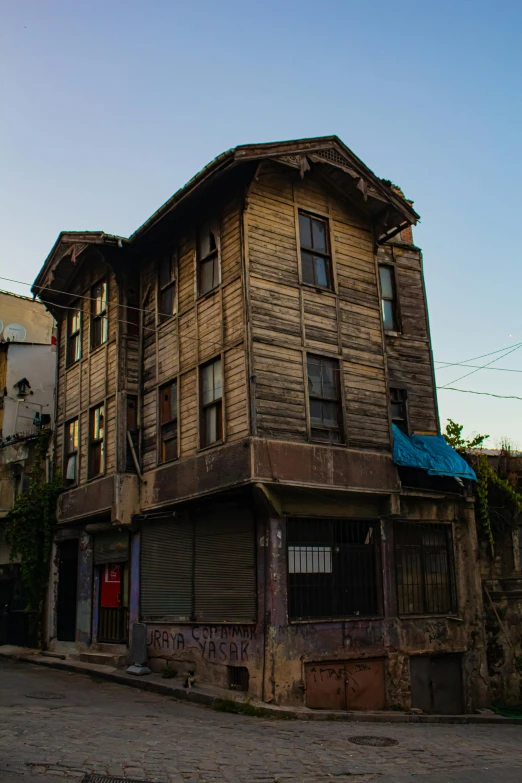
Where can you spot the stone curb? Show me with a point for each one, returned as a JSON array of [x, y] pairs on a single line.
[[263, 710]]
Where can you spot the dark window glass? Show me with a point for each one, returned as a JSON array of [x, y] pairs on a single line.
[[388, 299], [208, 259], [168, 400], [399, 409], [211, 394], [167, 287], [315, 252], [332, 568], [99, 319], [97, 441], [74, 336], [72, 443], [325, 399], [424, 569]]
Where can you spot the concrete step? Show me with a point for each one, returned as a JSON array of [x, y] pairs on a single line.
[[102, 659]]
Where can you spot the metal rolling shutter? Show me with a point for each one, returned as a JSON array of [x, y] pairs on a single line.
[[225, 577], [166, 569]]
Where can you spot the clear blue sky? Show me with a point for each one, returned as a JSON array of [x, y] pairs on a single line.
[[109, 107]]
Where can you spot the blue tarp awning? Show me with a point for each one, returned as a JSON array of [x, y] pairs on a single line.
[[430, 453]]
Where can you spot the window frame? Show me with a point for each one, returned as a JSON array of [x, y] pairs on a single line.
[[451, 584], [95, 442], [73, 453], [394, 299], [404, 402], [163, 424], [376, 561], [338, 401], [101, 317], [76, 335], [214, 256], [170, 256], [217, 402], [327, 254]]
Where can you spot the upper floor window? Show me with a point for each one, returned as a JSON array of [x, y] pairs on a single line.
[[97, 441], [167, 286], [390, 315], [72, 442], [74, 336], [99, 319], [324, 399], [208, 258], [168, 399], [316, 267], [133, 445], [211, 396], [424, 569], [399, 409]]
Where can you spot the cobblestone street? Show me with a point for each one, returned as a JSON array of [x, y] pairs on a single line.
[[91, 726]]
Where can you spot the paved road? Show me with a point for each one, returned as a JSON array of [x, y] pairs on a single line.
[[112, 729]]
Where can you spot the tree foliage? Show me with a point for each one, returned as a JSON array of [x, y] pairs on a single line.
[[488, 480], [30, 529]]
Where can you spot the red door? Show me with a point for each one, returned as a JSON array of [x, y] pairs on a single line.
[[111, 586]]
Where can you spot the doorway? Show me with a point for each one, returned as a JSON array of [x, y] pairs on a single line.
[[436, 683], [114, 614], [67, 590], [346, 685]]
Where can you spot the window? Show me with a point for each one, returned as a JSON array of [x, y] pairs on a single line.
[[315, 252], [325, 399], [168, 401], [388, 298], [71, 452], [96, 441], [99, 320], [424, 566], [167, 287], [211, 392], [208, 259], [399, 409], [201, 568], [332, 568], [74, 336], [132, 433]]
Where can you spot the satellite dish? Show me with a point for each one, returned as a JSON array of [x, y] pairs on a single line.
[[15, 333]]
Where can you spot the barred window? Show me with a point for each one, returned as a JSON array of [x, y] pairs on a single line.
[[424, 568], [332, 568]]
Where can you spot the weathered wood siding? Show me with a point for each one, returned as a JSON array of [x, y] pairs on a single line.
[[289, 320], [206, 327], [95, 378], [409, 354]]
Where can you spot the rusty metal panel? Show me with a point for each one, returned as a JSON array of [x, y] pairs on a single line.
[[365, 684], [325, 685]]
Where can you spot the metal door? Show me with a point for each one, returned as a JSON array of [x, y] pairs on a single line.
[[325, 685], [365, 684], [436, 683]]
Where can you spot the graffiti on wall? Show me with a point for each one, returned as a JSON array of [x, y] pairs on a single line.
[[214, 643]]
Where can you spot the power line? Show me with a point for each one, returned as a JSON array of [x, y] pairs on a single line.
[[482, 356], [477, 366], [466, 375], [485, 394]]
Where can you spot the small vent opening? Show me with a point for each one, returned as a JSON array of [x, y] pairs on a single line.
[[238, 678]]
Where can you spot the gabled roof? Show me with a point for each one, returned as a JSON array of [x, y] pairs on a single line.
[[326, 150], [387, 210], [71, 243]]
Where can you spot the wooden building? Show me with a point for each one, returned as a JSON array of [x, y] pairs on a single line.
[[228, 379]]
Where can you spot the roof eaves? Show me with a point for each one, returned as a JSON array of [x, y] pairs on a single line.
[[179, 195]]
